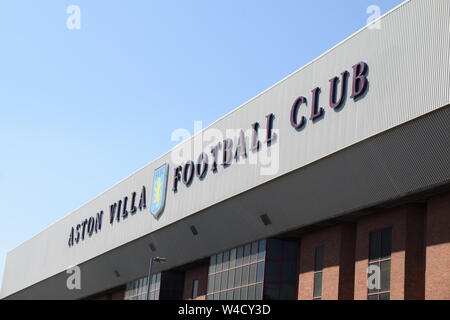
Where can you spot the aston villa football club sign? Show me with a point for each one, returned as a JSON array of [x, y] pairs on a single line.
[[230, 149]]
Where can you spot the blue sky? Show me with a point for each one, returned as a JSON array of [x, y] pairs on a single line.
[[82, 109]]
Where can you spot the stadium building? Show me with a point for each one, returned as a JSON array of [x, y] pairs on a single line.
[[332, 184]]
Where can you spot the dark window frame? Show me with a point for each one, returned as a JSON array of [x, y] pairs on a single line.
[[319, 259], [195, 284], [382, 257]]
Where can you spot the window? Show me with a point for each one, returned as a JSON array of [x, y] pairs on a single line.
[[137, 290], [238, 273], [155, 286], [265, 269], [194, 289], [318, 273], [280, 270], [380, 250]]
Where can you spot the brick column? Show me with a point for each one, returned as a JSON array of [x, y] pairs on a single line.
[[437, 277], [339, 247], [119, 294], [407, 258], [200, 273]]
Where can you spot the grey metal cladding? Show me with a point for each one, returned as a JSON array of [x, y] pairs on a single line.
[[409, 74]]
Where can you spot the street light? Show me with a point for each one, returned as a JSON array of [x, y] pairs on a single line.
[[159, 260]]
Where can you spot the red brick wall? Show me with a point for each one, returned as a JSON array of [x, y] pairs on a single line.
[[114, 294], [118, 295], [437, 276], [200, 273], [407, 262], [338, 243]]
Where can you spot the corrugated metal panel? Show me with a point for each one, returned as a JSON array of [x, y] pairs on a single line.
[[409, 77]]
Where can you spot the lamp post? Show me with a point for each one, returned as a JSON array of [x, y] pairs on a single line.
[[149, 277]]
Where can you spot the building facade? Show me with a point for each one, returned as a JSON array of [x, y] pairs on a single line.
[[334, 184]]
